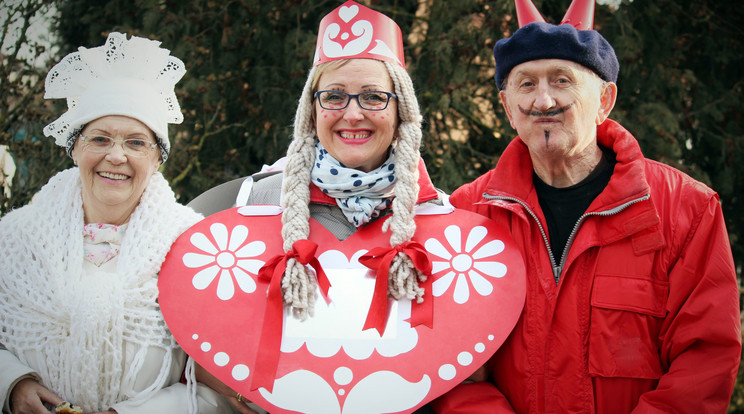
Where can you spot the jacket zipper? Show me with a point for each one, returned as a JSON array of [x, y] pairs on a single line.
[[558, 268]]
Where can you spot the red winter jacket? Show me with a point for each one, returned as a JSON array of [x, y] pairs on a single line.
[[645, 317]]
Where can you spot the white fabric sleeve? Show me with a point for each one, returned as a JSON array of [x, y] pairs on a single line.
[[175, 399], [12, 371]]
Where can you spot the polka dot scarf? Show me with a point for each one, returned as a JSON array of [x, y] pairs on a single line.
[[360, 195]]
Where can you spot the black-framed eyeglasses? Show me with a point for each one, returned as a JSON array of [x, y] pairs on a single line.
[[369, 100], [102, 144]]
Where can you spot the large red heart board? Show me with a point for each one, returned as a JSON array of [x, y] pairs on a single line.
[[214, 303]]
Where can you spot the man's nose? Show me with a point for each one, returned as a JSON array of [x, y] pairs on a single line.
[[544, 98]]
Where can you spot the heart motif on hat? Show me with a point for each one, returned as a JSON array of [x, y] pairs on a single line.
[[346, 13], [214, 305]]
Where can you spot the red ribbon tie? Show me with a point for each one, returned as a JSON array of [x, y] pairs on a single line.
[[269, 347], [379, 259]]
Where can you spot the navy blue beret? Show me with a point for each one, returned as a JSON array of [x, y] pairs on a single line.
[[539, 40]]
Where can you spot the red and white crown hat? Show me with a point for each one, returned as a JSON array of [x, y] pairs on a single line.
[[355, 31]]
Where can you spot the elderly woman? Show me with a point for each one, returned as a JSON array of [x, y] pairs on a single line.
[[354, 157], [78, 266]]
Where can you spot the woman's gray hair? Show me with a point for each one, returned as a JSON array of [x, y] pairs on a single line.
[[298, 283]]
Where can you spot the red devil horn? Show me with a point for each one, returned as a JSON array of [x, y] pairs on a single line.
[[580, 14], [527, 12]]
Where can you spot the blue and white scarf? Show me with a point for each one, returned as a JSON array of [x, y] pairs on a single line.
[[360, 195]]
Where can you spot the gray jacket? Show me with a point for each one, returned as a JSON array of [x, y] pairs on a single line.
[[266, 188]]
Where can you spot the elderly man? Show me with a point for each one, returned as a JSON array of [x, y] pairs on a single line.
[[632, 299]]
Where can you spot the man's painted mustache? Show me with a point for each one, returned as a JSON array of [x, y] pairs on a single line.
[[548, 113]]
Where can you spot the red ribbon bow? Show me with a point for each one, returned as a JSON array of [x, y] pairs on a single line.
[[269, 347], [379, 259]]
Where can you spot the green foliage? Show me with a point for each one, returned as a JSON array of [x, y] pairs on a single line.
[[680, 86], [452, 68]]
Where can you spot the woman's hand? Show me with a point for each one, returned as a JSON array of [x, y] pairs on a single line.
[[28, 397], [203, 376]]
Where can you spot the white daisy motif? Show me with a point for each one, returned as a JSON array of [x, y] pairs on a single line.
[[230, 257], [463, 263]]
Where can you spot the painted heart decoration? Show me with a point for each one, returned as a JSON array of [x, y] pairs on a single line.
[[348, 13], [214, 304]]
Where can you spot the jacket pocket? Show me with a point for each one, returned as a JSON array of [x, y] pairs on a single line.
[[626, 315]]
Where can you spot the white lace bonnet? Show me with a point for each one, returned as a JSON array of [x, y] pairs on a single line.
[[133, 78]]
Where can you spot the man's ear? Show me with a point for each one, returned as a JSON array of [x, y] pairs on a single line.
[[505, 104], [607, 99]]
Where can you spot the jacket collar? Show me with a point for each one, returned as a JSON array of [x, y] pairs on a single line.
[[427, 191], [512, 178], [513, 172]]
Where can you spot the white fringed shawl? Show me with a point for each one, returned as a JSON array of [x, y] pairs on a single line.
[[78, 322]]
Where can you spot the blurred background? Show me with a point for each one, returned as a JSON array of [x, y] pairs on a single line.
[[680, 85]]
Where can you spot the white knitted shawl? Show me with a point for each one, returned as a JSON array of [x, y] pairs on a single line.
[[79, 322]]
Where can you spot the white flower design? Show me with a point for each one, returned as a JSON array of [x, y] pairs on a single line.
[[230, 258], [460, 263]]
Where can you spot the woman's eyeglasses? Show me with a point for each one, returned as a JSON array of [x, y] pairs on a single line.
[[101, 144], [369, 100]]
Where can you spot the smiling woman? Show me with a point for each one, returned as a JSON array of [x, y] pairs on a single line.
[[354, 160], [114, 176], [79, 266], [357, 137]]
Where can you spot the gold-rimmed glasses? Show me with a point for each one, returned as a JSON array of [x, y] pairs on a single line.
[[102, 144]]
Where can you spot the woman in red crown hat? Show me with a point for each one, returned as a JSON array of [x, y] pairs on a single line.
[[354, 157]]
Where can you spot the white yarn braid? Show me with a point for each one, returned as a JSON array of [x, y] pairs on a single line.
[[403, 276], [298, 283]]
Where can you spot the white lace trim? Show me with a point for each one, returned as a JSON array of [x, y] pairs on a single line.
[[85, 77]]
